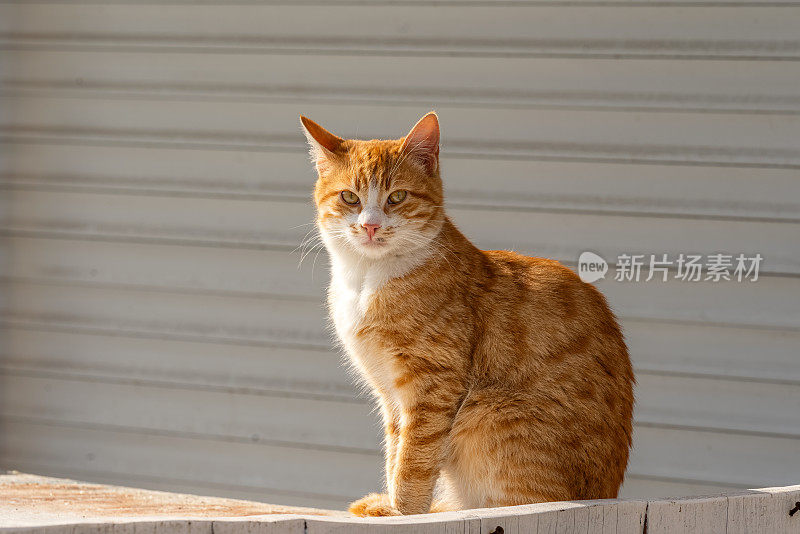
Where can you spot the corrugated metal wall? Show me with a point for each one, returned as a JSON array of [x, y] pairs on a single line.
[[159, 333]]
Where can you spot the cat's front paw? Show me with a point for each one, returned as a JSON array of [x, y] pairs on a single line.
[[373, 505]]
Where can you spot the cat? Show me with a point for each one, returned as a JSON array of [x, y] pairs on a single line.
[[502, 377]]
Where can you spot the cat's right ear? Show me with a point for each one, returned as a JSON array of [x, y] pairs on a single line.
[[323, 145], [422, 142]]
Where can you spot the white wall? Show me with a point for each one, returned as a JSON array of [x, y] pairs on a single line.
[[159, 333]]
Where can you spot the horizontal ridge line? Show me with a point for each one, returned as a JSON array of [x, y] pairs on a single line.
[[105, 427], [446, 3], [20, 367], [7, 321], [465, 202], [8, 231], [33, 371], [37, 321], [169, 290], [655, 157], [599, 101], [346, 41], [232, 50]]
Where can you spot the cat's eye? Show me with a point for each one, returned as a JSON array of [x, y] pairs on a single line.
[[397, 197], [349, 197]]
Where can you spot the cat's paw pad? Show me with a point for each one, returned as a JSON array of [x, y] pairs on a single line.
[[373, 505]]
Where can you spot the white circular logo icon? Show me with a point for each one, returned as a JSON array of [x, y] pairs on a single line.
[[591, 267]]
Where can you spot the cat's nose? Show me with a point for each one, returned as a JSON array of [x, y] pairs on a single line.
[[371, 229]]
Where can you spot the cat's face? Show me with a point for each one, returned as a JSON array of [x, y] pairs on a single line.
[[378, 198]]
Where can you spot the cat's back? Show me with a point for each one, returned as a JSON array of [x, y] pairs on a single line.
[[544, 287], [535, 272], [547, 320]]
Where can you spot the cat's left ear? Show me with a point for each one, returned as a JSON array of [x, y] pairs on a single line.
[[422, 142], [323, 145]]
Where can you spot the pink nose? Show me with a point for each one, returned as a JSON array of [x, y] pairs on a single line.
[[371, 229]]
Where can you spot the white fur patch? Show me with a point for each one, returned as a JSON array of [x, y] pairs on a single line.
[[355, 280]]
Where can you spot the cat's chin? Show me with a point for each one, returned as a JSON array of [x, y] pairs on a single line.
[[373, 249], [355, 248], [389, 249]]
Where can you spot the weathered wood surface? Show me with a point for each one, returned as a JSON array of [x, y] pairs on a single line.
[[31, 501], [39, 505]]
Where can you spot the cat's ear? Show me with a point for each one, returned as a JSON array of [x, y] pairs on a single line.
[[422, 142], [323, 145]]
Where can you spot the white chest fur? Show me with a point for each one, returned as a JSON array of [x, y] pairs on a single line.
[[349, 296], [350, 293], [354, 283]]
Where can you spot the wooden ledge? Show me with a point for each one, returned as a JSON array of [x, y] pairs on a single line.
[[32, 500], [33, 504]]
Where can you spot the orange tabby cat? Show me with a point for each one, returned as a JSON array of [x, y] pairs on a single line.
[[503, 377]]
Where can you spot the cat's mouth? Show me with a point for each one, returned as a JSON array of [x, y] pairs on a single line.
[[375, 247], [375, 242]]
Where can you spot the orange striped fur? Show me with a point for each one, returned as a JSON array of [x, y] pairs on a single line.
[[502, 377]]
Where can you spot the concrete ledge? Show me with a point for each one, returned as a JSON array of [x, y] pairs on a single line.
[[39, 505]]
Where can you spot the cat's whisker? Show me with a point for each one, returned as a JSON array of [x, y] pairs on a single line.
[[314, 264], [310, 235], [301, 225], [308, 245], [309, 251]]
